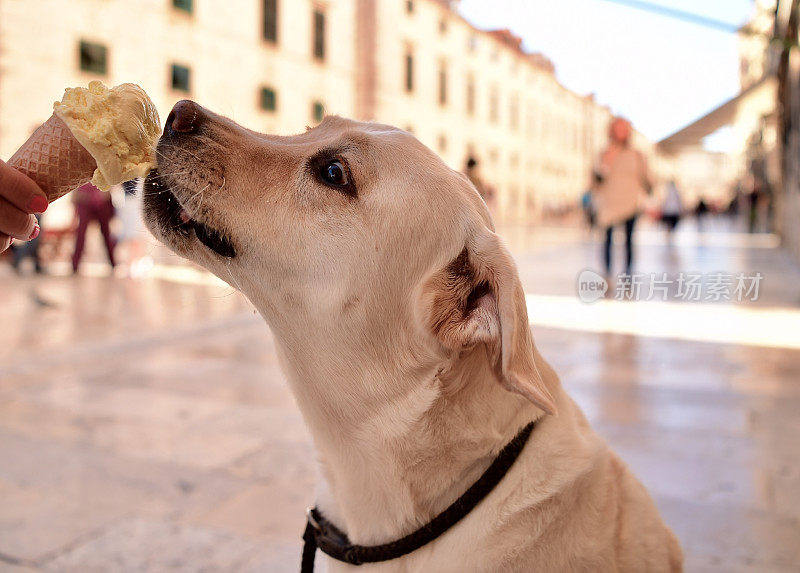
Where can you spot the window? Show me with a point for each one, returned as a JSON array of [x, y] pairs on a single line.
[[93, 57], [319, 34], [513, 196], [494, 105], [470, 95], [410, 6], [268, 100], [531, 200], [531, 124], [185, 5], [270, 21], [181, 78], [442, 83], [409, 71], [317, 111], [513, 113]]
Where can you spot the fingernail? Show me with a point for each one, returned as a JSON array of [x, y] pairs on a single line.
[[35, 233], [38, 204]]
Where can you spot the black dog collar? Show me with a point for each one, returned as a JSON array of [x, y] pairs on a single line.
[[321, 533]]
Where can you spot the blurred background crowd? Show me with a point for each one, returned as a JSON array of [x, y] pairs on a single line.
[[482, 98]]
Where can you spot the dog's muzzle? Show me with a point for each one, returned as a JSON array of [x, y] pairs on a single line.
[[173, 219]]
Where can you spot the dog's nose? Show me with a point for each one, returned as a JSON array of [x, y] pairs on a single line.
[[185, 117]]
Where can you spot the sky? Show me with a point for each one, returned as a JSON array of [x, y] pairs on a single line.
[[660, 73]]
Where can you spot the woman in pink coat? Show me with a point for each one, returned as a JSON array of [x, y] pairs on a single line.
[[625, 181]]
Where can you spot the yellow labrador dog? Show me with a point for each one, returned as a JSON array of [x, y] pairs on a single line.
[[401, 326]]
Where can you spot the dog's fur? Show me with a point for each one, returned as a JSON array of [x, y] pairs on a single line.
[[402, 329]]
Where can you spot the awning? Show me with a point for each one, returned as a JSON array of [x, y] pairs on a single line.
[[693, 134]]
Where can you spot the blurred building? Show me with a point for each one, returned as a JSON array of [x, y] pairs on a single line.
[[768, 121], [784, 54], [750, 122], [467, 92], [272, 65], [279, 65], [754, 41]]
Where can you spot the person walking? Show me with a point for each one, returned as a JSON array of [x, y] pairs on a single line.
[[671, 208], [91, 205], [700, 212], [625, 180], [28, 250], [587, 200], [472, 172]]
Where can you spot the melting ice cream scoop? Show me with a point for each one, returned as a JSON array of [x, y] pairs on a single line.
[[118, 126], [106, 135]]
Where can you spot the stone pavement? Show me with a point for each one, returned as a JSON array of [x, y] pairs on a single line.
[[145, 426]]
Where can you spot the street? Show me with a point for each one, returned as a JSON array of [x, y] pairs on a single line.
[[145, 424]]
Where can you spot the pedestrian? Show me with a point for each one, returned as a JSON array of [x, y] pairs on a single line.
[[92, 204], [486, 191], [28, 250], [671, 208], [20, 198], [587, 200], [625, 181], [700, 213]]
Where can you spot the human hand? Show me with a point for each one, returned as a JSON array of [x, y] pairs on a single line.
[[20, 197]]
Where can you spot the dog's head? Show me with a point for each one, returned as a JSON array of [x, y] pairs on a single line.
[[352, 231]]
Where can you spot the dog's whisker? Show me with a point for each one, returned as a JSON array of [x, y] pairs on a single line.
[[162, 174], [184, 150], [221, 187], [230, 292], [200, 192], [235, 282], [171, 174], [198, 201], [162, 154]]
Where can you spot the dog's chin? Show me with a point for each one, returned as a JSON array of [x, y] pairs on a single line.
[[168, 220]]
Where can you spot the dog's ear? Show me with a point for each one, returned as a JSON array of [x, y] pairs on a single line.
[[478, 298]]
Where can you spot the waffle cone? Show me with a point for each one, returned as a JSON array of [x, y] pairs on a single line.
[[54, 159]]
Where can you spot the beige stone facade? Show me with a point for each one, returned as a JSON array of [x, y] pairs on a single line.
[[276, 65], [754, 39], [466, 92], [228, 58]]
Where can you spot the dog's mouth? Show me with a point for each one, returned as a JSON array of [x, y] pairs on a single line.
[[175, 219]]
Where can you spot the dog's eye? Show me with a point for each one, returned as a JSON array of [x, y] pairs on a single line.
[[334, 173], [332, 170]]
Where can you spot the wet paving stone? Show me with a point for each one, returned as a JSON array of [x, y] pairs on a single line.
[[145, 425]]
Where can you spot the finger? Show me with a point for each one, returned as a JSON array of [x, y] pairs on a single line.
[[5, 242], [17, 223], [21, 190]]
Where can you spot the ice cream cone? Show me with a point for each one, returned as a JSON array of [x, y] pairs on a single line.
[[54, 159]]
